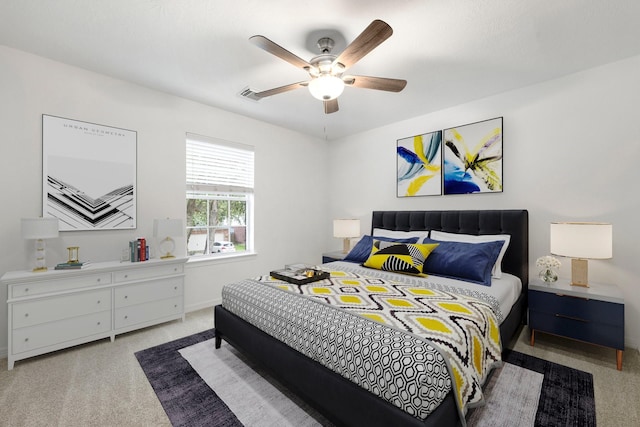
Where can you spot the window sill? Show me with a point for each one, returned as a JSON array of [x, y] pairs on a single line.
[[232, 257]]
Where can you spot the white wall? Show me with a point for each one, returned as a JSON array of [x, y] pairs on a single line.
[[287, 189], [570, 152]]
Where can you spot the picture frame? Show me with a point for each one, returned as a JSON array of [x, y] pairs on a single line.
[[419, 165], [88, 175], [472, 161]]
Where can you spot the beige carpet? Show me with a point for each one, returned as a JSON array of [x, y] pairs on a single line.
[[102, 384]]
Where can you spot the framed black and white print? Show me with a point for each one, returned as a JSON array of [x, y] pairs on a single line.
[[88, 175], [473, 158]]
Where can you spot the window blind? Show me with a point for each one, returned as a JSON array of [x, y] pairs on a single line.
[[218, 166]]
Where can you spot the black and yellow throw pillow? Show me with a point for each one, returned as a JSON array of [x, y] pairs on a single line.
[[398, 257]]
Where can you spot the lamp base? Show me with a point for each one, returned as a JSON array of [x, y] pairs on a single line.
[[39, 269], [579, 272], [167, 245], [346, 245]]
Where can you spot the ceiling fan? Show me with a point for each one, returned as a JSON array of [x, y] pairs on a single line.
[[327, 70]]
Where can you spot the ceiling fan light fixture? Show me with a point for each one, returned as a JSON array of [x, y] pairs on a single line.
[[326, 87]]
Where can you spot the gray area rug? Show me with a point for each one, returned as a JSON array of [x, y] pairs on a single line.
[[185, 373]]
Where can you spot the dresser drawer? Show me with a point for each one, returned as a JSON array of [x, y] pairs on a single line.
[[149, 291], [584, 330], [44, 310], [34, 337], [128, 316], [580, 308], [147, 272], [57, 285]]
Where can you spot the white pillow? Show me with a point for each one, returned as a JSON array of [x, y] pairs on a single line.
[[470, 238], [381, 232]]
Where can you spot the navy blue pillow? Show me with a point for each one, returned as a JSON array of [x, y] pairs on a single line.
[[471, 262], [361, 251]]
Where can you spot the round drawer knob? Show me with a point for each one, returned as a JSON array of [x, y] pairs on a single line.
[[98, 323], [26, 315], [126, 276], [126, 317], [98, 280], [98, 301], [26, 290], [26, 340]]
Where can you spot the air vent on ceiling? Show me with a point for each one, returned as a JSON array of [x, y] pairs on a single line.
[[249, 93]]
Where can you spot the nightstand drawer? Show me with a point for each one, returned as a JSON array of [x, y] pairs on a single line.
[[584, 330], [575, 307]]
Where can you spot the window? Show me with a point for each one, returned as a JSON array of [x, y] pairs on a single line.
[[219, 196]]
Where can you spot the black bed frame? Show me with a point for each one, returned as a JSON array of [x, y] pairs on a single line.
[[339, 399]]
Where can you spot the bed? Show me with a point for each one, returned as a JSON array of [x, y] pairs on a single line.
[[340, 399]]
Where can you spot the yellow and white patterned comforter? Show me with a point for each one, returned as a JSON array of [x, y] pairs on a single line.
[[436, 339]]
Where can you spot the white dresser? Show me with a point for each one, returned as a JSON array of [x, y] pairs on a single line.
[[61, 308]]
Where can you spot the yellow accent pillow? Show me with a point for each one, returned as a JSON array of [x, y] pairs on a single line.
[[399, 257]]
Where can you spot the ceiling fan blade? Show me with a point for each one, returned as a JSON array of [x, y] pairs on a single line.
[[378, 83], [265, 44], [281, 89], [331, 106], [377, 32]]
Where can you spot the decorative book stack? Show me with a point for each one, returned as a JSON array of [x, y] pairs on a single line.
[[138, 250], [76, 265]]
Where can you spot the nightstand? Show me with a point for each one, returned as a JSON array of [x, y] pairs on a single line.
[[594, 314], [333, 256]]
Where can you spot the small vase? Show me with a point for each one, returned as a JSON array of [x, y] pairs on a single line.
[[548, 275]]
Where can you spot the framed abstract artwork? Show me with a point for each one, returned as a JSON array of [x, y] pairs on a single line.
[[473, 158], [419, 165], [89, 175]]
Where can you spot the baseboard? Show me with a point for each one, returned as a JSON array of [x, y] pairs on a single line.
[[203, 304], [4, 352]]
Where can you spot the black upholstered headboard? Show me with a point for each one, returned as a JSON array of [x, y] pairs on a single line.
[[512, 222]]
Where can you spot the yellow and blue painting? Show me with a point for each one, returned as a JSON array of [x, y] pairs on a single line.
[[473, 158], [420, 165]]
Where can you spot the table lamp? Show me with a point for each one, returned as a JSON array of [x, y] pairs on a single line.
[[346, 229], [581, 241], [39, 229], [166, 229]]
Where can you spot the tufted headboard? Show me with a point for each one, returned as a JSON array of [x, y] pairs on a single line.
[[512, 222]]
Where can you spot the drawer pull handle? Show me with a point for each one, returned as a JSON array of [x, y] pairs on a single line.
[[175, 288], [26, 315], [98, 280], [26, 290], [98, 323], [126, 317], [26, 340], [126, 276], [126, 296], [572, 318], [98, 301]]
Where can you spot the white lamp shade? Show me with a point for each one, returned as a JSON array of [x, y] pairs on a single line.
[[346, 228], [589, 240], [326, 87], [167, 227], [39, 228]]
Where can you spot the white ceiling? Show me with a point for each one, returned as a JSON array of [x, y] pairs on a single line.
[[449, 51]]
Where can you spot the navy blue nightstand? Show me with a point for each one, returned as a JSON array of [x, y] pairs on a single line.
[[333, 256], [594, 314]]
